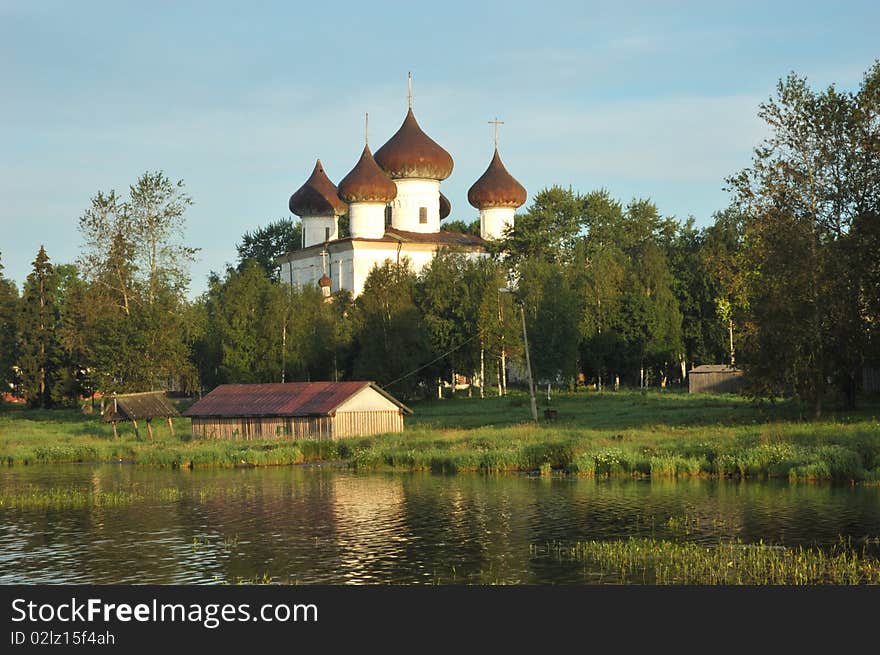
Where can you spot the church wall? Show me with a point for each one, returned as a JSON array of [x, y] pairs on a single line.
[[348, 267], [318, 229], [367, 220], [494, 220], [412, 195]]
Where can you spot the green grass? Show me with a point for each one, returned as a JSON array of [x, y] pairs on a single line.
[[654, 434], [652, 561]]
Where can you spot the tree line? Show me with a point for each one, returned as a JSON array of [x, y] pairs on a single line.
[[784, 283]]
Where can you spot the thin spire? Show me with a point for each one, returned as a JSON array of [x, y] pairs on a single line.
[[496, 123], [409, 89], [366, 128]]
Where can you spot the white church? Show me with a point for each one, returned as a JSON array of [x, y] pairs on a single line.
[[394, 207]]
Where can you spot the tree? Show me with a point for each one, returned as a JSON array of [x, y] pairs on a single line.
[[550, 303], [264, 245], [136, 267], [811, 186], [465, 228], [37, 325], [391, 342], [9, 302], [548, 229]]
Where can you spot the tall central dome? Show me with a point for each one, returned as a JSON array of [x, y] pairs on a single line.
[[411, 153]]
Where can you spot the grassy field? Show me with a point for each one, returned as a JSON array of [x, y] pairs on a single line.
[[626, 433]]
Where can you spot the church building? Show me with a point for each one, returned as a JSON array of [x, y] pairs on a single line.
[[394, 206]]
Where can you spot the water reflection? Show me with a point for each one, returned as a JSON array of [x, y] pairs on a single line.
[[324, 525]]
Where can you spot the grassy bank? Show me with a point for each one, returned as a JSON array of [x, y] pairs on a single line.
[[652, 561], [655, 434]]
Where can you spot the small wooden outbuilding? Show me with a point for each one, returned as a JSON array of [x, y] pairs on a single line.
[[715, 378], [136, 406], [296, 410]]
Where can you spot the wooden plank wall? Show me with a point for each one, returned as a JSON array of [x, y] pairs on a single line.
[[322, 428], [247, 428], [871, 379], [715, 382], [361, 424]]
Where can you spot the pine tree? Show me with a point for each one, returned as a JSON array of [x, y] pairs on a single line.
[[8, 330], [38, 323]]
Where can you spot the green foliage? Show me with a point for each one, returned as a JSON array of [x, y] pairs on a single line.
[[264, 331], [391, 340], [548, 229], [8, 331], [126, 322], [265, 244], [465, 228], [808, 201], [37, 329]]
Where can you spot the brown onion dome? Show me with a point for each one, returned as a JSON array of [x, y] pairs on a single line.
[[496, 188], [367, 182], [325, 281], [317, 197], [412, 153], [445, 207]]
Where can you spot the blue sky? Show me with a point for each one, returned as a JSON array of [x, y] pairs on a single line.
[[646, 99]]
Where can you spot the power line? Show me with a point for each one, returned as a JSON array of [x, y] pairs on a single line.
[[436, 359]]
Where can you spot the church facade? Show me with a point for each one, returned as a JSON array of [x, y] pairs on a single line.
[[395, 207]]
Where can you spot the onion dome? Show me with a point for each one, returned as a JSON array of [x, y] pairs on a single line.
[[445, 207], [496, 188], [317, 197], [367, 182], [412, 153], [325, 281]]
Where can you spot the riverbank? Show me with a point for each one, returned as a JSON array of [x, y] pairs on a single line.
[[661, 435]]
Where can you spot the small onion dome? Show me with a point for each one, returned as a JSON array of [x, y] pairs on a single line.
[[496, 188], [317, 197], [412, 153], [325, 281], [445, 207], [367, 182]]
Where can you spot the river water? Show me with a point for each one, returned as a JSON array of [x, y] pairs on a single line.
[[114, 523]]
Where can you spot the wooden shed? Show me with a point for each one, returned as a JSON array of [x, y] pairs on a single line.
[[296, 410], [871, 379], [139, 406], [715, 378]]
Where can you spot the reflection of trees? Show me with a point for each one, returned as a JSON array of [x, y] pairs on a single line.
[[326, 525]]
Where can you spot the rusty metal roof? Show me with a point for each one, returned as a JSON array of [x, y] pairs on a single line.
[[412, 153], [125, 407], [496, 187], [442, 238], [317, 196], [281, 399], [366, 182]]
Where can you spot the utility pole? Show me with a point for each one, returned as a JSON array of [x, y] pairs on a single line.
[[522, 312], [534, 403]]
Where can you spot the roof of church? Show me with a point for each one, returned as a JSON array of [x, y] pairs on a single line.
[[366, 182], [445, 207], [393, 235], [496, 187], [412, 153], [317, 196]]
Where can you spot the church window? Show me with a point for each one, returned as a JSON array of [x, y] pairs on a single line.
[[326, 234], [423, 215], [388, 215]]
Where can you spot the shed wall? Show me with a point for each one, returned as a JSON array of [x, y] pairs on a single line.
[[715, 382], [361, 424], [269, 427], [871, 380]]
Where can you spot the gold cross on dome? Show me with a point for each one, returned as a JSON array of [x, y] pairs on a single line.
[[496, 123]]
